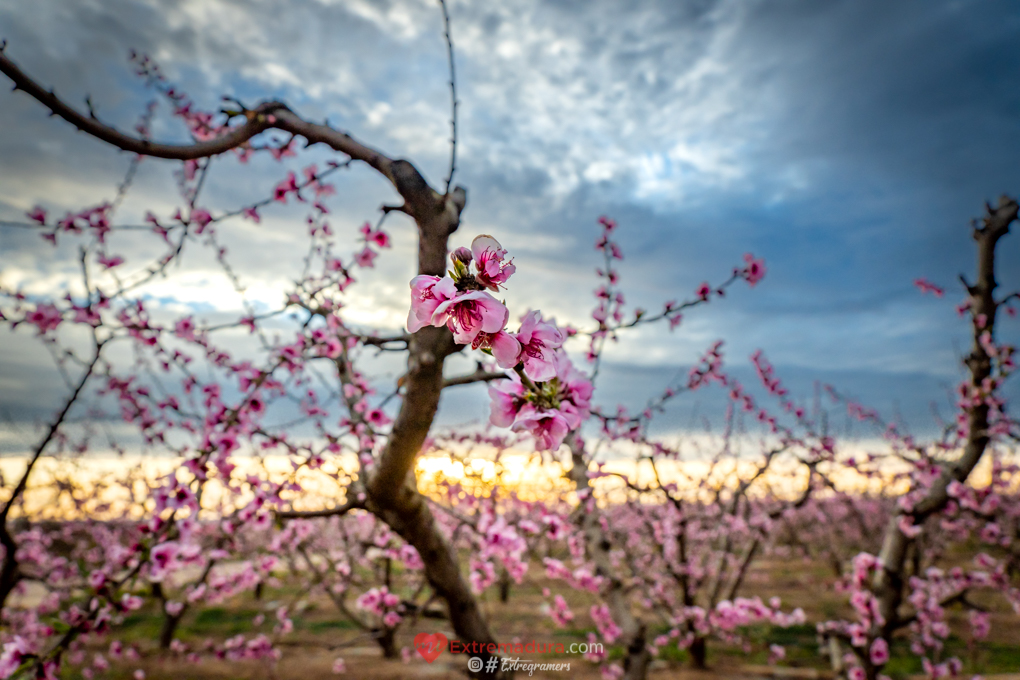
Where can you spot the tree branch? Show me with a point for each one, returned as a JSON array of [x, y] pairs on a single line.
[[9, 575], [480, 375], [329, 512], [453, 95], [257, 122], [265, 116], [634, 632], [889, 579]]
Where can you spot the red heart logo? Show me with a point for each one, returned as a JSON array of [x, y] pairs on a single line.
[[430, 645]]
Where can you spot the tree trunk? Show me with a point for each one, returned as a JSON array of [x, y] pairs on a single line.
[[699, 653], [412, 520], [633, 636], [387, 641], [392, 493], [166, 634], [890, 579], [504, 587]]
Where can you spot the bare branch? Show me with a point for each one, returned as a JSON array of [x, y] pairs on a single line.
[[480, 375], [379, 341], [329, 512], [9, 573], [453, 95], [257, 122], [265, 116]]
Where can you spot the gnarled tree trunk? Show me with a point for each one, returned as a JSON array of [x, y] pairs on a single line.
[[890, 578], [633, 631]]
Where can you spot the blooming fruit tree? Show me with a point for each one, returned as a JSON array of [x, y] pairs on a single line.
[[664, 568], [207, 417]]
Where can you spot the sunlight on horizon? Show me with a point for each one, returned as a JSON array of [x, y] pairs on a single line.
[[107, 487]]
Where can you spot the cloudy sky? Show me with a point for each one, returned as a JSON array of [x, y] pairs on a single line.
[[848, 143]]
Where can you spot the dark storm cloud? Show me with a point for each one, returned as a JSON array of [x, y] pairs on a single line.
[[848, 143]]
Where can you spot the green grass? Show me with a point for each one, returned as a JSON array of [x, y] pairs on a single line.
[[322, 626], [218, 621], [141, 625], [991, 657]]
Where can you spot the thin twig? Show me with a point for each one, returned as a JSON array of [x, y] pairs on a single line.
[[453, 95]]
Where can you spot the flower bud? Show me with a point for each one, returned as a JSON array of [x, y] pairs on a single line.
[[462, 254]]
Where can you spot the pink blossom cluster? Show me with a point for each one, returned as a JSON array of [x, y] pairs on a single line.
[[753, 271], [377, 237], [580, 578], [498, 542], [201, 124], [95, 220], [461, 301], [548, 410], [608, 629], [560, 612], [382, 603], [555, 398], [926, 286]]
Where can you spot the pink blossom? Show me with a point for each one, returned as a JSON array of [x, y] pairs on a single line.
[[548, 422], [109, 262], [378, 237], [185, 328], [202, 218], [252, 214], [538, 339], [980, 624], [488, 255], [604, 622], [377, 417], [926, 286], [469, 314], [504, 346], [162, 556], [879, 652], [560, 612], [606, 245], [366, 258], [37, 214], [909, 529], [613, 671], [549, 427], [506, 397], [131, 602], [285, 187], [754, 271], [426, 296], [45, 317], [574, 385]]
